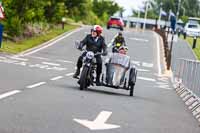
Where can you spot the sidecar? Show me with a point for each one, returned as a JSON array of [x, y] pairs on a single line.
[[119, 74]]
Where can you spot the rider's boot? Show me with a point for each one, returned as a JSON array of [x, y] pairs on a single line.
[[76, 74]]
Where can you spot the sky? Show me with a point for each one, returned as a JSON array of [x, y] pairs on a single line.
[[129, 4]]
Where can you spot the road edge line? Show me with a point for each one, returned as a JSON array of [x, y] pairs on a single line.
[[48, 43], [158, 53]]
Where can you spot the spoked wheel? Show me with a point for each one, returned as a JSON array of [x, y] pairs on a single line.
[[132, 80], [83, 78]]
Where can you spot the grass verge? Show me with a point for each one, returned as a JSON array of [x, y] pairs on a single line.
[[197, 49], [14, 48]]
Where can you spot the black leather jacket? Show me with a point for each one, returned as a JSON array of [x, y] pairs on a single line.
[[95, 45]]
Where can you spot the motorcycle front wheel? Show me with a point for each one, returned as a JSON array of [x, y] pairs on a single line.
[[83, 78]]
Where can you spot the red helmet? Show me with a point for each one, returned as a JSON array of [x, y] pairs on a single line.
[[98, 29]]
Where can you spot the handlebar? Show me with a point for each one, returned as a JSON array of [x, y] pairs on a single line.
[[95, 54]]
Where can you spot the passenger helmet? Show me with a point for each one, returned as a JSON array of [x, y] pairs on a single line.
[[123, 50]]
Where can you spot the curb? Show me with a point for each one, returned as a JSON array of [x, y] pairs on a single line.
[[189, 98], [162, 53]]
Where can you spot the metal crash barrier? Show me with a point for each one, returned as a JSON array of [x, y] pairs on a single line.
[[187, 79]]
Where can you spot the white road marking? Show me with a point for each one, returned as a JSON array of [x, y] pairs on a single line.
[[36, 85], [2, 57], [99, 123], [144, 64], [136, 63], [158, 54], [7, 94], [139, 39], [65, 61], [69, 74], [21, 63], [56, 78], [166, 87], [41, 58], [50, 63], [50, 44], [8, 61], [18, 58], [146, 79], [56, 68], [143, 70], [161, 83]]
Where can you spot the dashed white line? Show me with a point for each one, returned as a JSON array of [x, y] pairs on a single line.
[[50, 63], [139, 39], [7, 94], [56, 78], [65, 61], [146, 79], [143, 70], [36, 85], [144, 64], [136, 62], [17, 58], [69, 74], [41, 58], [2, 57]]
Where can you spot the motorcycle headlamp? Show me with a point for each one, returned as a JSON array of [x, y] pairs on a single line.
[[90, 55]]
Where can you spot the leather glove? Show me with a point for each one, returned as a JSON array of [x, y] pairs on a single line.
[[80, 47]]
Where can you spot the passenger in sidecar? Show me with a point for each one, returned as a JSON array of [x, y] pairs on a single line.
[[116, 67]]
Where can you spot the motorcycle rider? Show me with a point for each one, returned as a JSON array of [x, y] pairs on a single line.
[[118, 41], [94, 42]]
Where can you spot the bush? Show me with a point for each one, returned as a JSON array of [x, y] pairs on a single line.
[[14, 26]]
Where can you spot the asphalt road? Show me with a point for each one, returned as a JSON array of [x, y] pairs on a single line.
[[39, 95]]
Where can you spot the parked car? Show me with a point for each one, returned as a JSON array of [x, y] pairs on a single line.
[[115, 22], [192, 29]]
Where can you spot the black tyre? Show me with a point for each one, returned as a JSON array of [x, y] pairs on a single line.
[[184, 35], [121, 28], [83, 78], [132, 80], [131, 90], [108, 27]]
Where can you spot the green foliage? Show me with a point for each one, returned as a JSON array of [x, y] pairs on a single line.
[[184, 19], [13, 26], [20, 13]]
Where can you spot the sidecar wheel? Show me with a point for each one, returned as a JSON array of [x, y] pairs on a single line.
[[132, 80], [131, 89]]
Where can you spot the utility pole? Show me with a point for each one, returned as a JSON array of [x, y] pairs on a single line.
[[160, 15], [145, 17], [138, 24]]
